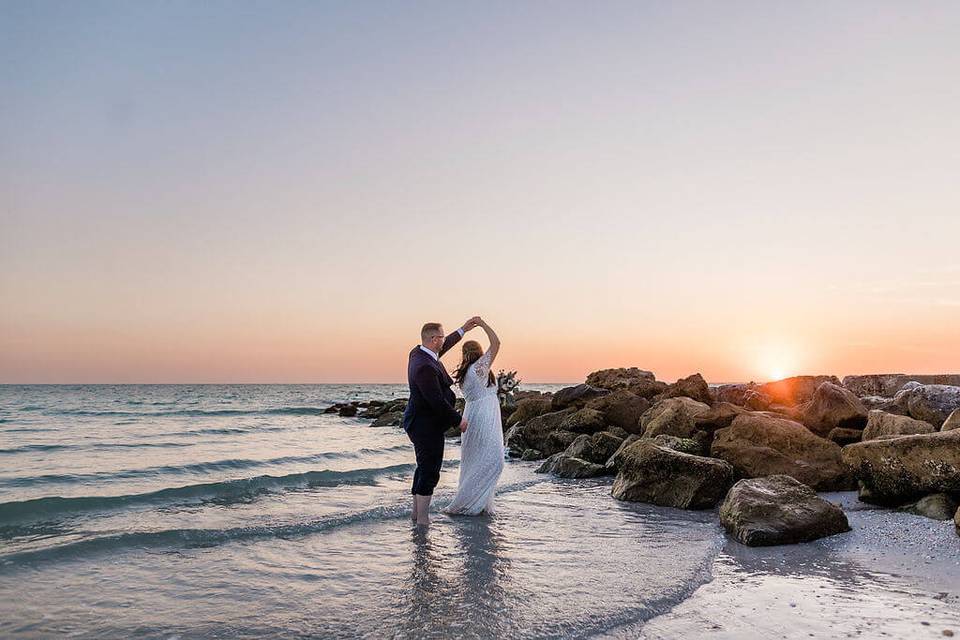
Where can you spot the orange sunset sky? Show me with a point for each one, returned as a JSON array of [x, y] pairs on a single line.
[[284, 193]]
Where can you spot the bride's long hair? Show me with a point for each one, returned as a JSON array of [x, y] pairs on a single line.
[[471, 353]]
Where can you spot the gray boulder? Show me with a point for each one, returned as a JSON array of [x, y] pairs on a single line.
[[673, 417], [834, 407], [882, 424], [621, 408], [621, 378], [694, 387], [584, 420], [576, 396], [527, 409], [614, 461], [758, 445], [650, 472], [937, 506], [596, 448], [719, 416], [514, 440], [536, 432], [933, 403], [564, 466], [843, 437], [952, 422], [778, 510], [895, 471], [888, 384], [389, 419]]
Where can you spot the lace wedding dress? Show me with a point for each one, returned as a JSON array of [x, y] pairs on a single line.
[[481, 447]]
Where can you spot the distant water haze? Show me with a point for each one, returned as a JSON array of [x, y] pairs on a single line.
[[244, 193]]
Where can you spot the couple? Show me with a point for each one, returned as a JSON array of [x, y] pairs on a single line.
[[430, 412]]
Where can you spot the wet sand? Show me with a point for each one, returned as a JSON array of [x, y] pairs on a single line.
[[895, 575]]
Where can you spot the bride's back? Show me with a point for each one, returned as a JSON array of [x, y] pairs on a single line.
[[476, 380]]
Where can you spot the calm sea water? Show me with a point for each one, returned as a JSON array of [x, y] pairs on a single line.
[[244, 511]]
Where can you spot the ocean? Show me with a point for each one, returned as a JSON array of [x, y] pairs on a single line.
[[245, 511]]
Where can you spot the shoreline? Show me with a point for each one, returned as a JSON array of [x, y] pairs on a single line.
[[894, 575]]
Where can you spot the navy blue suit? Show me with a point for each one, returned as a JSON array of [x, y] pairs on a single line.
[[429, 413]]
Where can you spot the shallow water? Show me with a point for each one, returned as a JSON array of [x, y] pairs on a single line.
[[245, 511]]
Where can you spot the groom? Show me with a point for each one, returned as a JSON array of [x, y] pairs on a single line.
[[430, 411]]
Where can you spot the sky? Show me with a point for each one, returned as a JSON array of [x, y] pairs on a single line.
[[284, 192]]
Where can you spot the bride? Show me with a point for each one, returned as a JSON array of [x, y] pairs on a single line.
[[481, 450]]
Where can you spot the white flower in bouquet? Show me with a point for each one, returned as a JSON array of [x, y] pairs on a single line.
[[507, 383]]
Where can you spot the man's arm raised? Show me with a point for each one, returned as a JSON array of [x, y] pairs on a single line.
[[455, 337]]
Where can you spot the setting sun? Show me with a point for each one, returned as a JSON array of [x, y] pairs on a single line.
[[776, 360]]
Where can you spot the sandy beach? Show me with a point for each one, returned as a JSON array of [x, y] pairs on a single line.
[[893, 576]]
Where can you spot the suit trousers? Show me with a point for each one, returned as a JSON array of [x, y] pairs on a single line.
[[428, 446]]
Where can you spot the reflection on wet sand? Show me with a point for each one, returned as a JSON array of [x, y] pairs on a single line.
[[456, 579]]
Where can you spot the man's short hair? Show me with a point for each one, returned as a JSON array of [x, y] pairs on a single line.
[[430, 330]]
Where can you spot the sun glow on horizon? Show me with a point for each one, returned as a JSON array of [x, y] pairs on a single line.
[[776, 360]]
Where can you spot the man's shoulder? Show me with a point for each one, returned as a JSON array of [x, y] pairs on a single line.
[[419, 359]]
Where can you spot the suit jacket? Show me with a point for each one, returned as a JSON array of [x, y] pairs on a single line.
[[430, 408]]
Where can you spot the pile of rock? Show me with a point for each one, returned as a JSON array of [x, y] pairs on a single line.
[[686, 444], [763, 450], [383, 412]]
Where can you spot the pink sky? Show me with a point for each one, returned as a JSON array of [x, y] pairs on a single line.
[[747, 190]]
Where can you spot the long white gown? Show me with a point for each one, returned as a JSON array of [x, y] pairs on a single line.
[[481, 447]]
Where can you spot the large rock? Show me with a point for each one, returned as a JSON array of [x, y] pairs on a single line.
[[778, 510], [888, 384], [843, 437], [795, 390], [683, 445], [537, 431], [581, 448], [596, 448], [621, 408], [760, 445], [389, 419], [834, 407], [952, 422], [530, 395], [897, 470], [605, 444], [717, 417], [648, 389], [528, 409], [673, 417], [566, 466], [650, 472], [690, 387], [576, 396], [937, 506], [933, 403], [733, 393], [877, 402], [583, 421], [882, 424], [618, 378], [614, 461], [559, 440], [514, 441]]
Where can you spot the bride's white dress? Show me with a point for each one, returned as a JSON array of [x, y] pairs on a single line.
[[481, 447]]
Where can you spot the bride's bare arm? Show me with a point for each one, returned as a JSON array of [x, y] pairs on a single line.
[[492, 337]]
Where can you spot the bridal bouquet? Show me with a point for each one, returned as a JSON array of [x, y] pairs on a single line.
[[507, 383]]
